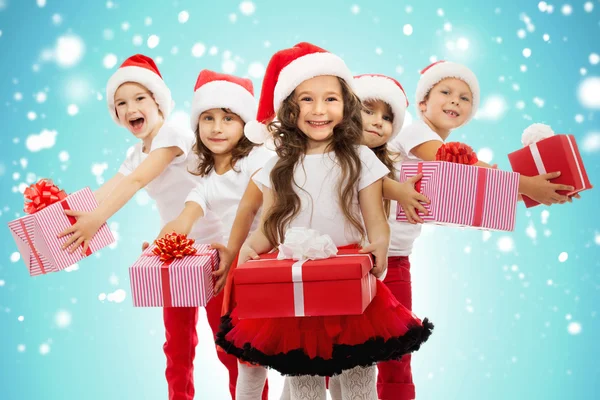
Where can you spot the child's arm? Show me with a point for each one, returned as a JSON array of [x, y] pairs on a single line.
[[88, 223], [246, 212], [104, 191], [378, 229], [185, 221], [258, 243], [537, 187], [406, 195]]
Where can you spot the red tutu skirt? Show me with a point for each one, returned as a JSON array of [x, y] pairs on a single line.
[[326, 345]]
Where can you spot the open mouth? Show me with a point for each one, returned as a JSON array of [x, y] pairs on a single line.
[[318, 124], [451, 113], [137, 123]]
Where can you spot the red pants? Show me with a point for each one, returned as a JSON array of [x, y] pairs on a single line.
[[394, 381], [180, 348]]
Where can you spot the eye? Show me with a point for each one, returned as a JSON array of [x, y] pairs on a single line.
[[332, 99], [228, 118], [465, 99], [387, 118], [446, 92], [208, 118], [140, 98], [367, 111], [121, 103]]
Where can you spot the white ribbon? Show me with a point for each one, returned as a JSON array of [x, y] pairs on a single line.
[[570, 139], [537, 158]]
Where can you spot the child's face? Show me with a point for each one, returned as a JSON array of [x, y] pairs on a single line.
[[136, 109], [377, 120], [321, 107], [220, 130], [449, 104]]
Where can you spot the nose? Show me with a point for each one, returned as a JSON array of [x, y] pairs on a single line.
[[319, 107], [377, 120], [217, 126]]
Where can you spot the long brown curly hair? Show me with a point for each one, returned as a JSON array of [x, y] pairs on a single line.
[[291, 146], [385, 155], [206, 158]]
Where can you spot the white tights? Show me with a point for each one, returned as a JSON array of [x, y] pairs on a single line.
[[250, 382], [355, 384]]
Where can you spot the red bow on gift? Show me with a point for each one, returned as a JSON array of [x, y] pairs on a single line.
[[41, 195], [456, 152], [173, 246]]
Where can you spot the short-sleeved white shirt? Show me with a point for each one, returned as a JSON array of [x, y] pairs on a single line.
[[412, 136], [221, 194], [318, 176], [171, 187]]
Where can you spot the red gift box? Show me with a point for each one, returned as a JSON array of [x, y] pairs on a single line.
[[36, 233], [271, 288], [180, 279], [464, 195], [556, 153]]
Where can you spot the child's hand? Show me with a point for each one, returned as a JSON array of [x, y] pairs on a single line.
[[539, 188], [225, 259], [379, 249], [575, 196], [411, 200], [145, 245], [83, 230], [247, 253]]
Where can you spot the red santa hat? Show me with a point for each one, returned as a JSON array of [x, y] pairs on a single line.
[[215, 90], [441, 70], [287, 69], [140, 69], [381, 87]]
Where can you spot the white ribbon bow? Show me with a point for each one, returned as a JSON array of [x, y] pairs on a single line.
[[303, 244]]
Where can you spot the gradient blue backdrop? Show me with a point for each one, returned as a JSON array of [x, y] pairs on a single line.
[[512, 321]]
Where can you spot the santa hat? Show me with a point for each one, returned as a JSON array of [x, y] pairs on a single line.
[[381, 87], [441, 70], [287, 69], [140, 69], [215, 90]]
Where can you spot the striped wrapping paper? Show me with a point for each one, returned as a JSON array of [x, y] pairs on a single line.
[[186, 282], [36, 234], [465, 195]]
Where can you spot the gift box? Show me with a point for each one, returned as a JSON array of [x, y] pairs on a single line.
[[174, 272], [555, 153], [464, 195], [36, 233], [339, 285]]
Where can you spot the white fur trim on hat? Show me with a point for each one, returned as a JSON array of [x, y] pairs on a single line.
[[447, 69], [223, 94], [145, 77], [382, 88], [307, 67]]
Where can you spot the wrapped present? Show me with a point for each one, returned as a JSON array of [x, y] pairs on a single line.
[[36, 233], [464, 195], [546, 152], [288, 284], [174, 272]]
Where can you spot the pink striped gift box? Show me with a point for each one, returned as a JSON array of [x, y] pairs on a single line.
[[465, 195], [36, 234], [185, 282]]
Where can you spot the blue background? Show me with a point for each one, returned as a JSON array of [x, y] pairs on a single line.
[[507, 310]]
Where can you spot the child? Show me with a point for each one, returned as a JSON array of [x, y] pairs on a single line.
[[447, 98], [226, 161], [321, 179], [139, 100]]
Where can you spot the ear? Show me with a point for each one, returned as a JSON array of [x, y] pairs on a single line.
[[423, 106]]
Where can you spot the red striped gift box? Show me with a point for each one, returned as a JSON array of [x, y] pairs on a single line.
[[465, 195], [36, 234], [184, 282]]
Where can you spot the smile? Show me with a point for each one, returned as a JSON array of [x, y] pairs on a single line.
[[318, 124], [451, 113]]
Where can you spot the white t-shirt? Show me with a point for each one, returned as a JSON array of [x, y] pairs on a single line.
[[412, 136], [221, 194], [403, 234], [318, 176], [171, 187]]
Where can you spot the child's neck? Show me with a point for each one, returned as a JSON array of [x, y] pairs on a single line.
[[315, 147], [443, 133], [222, 163], [147, 141]]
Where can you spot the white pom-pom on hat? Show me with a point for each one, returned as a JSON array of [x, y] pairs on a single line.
[[536, 132], [256, 132]]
